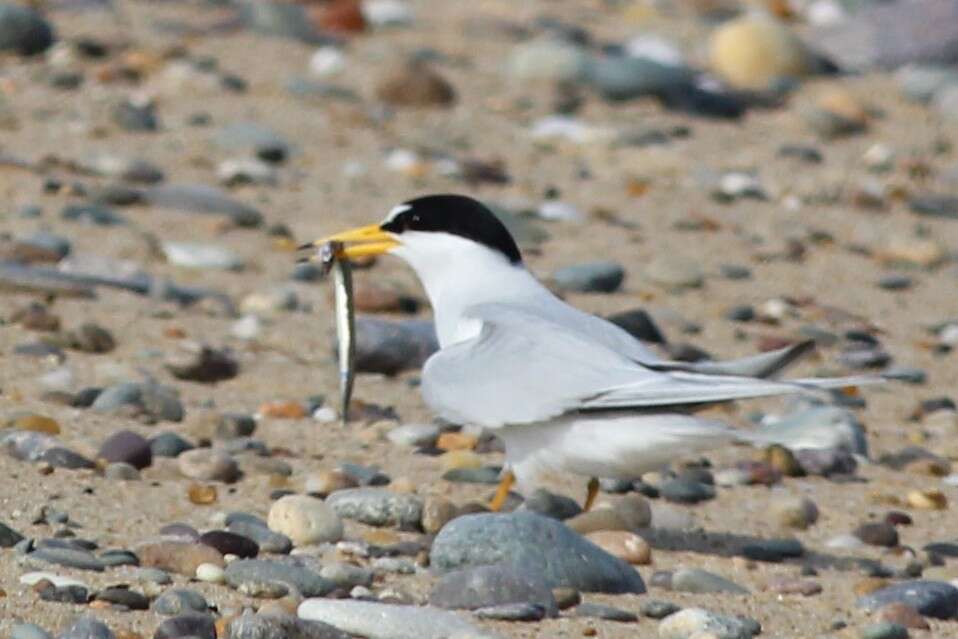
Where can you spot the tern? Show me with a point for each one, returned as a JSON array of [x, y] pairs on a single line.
[[567, 391]]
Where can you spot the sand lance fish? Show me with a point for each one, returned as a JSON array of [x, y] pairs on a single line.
[[330, 261]]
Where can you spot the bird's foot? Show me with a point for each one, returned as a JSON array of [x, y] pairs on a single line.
[[502, 492]]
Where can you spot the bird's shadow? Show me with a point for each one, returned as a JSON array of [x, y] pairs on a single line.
[[724, 544]]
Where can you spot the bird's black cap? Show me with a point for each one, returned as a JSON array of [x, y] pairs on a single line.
[[457, 215]]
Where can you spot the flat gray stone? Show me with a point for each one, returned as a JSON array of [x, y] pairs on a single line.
[[200, 198], [292, 571], [701, 581], [937, 599]]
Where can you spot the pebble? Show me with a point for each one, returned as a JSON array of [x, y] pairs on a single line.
[[414, 435], [753, 52], [618, 77], [794, 512], [347, 576], [8, 536], [686, 491], [549, 504], [69, 557], [493, 585], [877, 534], [378, 507], [700, 623], [534, 544], [936, 599], [701, 581], [305, 520], [673, 272], [921, 83], [927, 499], [122, 596], [153, 400], [789, 586], [178, 557], [293, 571], [169, 444], [276, 626], [176, 601], [121, 471], [625, 545], [230, 543], [436, 513], [210, 573], [63, 594], [199, 198], [270, 302], [386, 621], [200, 626], [594, 277], [258, 530], [24, 30], [884, 630], [390, 346], [599, 611], [415, 84], [202, 256], [127, 447], [208, 464], [817, 428], [201, 363], [773, 550], [95, 214], [835, 114], [88, 628], [137, 116], [658, 609], [253, 138], [547, 58]]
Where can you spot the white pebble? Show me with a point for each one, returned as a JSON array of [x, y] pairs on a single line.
[[559, 211], [325, 415], [305, 520], [247, 327], [327, 61], [210, 573], [59, 379], [387, 13]]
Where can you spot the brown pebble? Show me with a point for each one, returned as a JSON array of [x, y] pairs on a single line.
[[179, 557], [436, 513], [877, 534], [456, 441], [36, 317], [931, 467], [596, 520], [283, 410], [202, 494], [927, 500], [36, 423], [898, 518], [903, 614], [790, 586], [381, 537], [589, 632], [623, 544], [783, 461], [329, 481], [415, 85], [338, 16]]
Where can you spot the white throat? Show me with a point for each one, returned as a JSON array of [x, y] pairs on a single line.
[[458, 273]]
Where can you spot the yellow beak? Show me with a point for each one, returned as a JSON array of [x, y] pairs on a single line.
[[360, 242]]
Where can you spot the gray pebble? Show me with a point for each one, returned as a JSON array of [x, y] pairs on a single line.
[[293, 571], [685, 491], [608, 613], [248, 626], [177, 601], [884, 630], [199, 626], [390, 346], [692, 622], [937, 599], [658, 609], [87, 628], [71, 558], [549, 504], [512, 612], [199, 198], [169, 444], [29, 631], [531, 544], [594, 277], [8, 536], [701, 581], [494, 585], [378, 507], [24, 30]]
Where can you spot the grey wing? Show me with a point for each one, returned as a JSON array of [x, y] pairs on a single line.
[[523, 367]]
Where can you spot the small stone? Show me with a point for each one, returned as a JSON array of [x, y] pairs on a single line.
[[459, 460], [773, 550], [91, 338], [292, 571], [594, 277], [658, 609], [622, 544], [686, 491], [279, 626], [69, 557], [877, 534], [903, 615], [202, 495], [208, 464], [35, 423], [415, 85], [200, 626], [752, 52], [884, 630], [789, 586], [202, 364], [127, 447], [551, 505], [598, 611], [28, 631], [922, 252], [62, 594], [414, 435], [794, 512], [178, 557], [199, 198], [8, 536], [176, 601], [378, 507], [121, 471], [210, 573], [836, 114], [701, 581], [674, 273], [169, 444], [136, 116], [24, 30], [436, 513], [927, 500], [305, 520], [195, 255], [230, 543], [123, 597], [87, 628], [930, 598], [698, 623]]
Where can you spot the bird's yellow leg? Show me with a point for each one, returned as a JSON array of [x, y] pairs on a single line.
[[502, 492], [592, 494]]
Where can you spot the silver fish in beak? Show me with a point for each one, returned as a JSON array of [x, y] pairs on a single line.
[[332, 260]]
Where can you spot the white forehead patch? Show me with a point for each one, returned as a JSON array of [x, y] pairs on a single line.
[[396, 210]]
